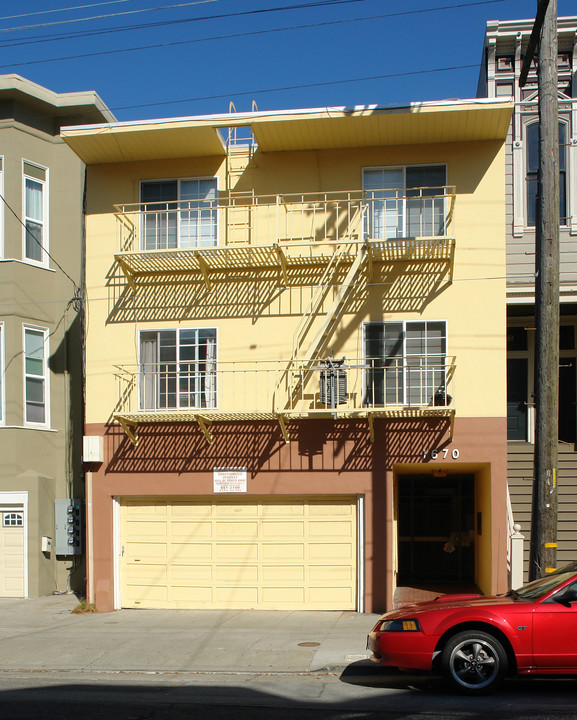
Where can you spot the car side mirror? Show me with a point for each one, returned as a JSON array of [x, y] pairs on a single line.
[[566, 597]]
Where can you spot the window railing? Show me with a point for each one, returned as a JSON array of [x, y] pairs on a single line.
[[265, 387], [247, 219]]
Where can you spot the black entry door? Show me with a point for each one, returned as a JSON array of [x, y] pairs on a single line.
[[517, 371], [436, 529]]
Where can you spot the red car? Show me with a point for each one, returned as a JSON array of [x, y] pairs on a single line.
[[475, 641]]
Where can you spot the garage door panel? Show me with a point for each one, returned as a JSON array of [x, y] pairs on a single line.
[[245, 530], [237, 551], [237, 574], [191, 531], [184, 509], [286, 551], [284, 596], [334, 551], [277, 553], [237, 596], [192, 551], [190, 574], [283, 573], [193, 596], [283, 510], [151, 530], [281, 529], [330, 529], [145, 551], [330, 573], [142, 594], [334, 596]]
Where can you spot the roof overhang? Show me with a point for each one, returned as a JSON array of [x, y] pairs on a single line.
[[73, 106], [315, 129]]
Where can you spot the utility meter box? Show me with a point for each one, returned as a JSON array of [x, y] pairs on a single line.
[[69, 526]]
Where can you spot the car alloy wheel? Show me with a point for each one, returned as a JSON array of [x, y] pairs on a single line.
[[474, 662]]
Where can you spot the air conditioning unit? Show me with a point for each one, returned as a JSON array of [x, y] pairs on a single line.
[[333, 383]]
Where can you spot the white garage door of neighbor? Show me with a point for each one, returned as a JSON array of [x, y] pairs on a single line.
[[12, 553], [290, 553]]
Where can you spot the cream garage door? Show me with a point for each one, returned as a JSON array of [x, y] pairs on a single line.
[[11, 553], [297, 553]]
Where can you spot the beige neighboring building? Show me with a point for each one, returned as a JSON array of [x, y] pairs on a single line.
[[41, 279]]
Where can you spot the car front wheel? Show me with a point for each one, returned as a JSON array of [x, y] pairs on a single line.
[[474, 662]]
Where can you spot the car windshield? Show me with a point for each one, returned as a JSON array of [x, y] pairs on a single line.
[[538, 588]]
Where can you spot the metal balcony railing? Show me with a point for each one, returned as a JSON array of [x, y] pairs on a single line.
[[264, 389], [235, 220]]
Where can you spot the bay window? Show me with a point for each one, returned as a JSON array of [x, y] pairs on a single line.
[[35, 376], [35, 213]]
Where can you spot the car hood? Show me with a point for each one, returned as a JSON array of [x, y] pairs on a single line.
[[449, 602]]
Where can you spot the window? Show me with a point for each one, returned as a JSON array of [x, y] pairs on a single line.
[[2, 207], [35, 376], [35, 213], [177, 369], [406, 363], [1, 373], [532, 169], [179, 213], [12, 519], [405, 202]]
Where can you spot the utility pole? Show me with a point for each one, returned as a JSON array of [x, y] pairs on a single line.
[[543, 552]]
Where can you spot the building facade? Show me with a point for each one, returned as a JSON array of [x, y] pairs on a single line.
[[41, 403], [296, 356], [504, 51]]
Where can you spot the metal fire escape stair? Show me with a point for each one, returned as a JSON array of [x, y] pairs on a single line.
[[326, 327]]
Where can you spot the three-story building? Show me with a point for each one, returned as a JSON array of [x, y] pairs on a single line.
[[296, 356]]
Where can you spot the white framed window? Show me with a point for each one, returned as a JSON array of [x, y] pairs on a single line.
[[36, 390], [177, 369], [404, 202], [532, 169], [2, 206], [2, 377], [179, 213], [35, 213], [406, 363]]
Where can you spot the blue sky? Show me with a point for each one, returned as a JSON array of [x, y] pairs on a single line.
[[204, 64]]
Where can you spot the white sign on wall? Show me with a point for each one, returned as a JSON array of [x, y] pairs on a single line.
[[230, 480]]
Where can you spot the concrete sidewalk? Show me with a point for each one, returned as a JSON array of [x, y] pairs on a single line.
[[42, 634]]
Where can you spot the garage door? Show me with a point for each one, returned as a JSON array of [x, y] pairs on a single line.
[[12, 553], [268, 554]]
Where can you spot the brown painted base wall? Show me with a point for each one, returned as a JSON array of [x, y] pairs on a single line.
[[324, 457]]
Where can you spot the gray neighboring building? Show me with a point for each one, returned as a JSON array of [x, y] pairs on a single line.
[[505, 47], [41, 280]]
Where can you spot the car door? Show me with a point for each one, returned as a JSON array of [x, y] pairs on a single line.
[[555, 633]]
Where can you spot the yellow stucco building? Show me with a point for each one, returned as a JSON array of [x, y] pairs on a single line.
[[295, 356]]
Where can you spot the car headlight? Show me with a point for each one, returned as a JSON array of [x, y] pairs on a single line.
[[399, 625]]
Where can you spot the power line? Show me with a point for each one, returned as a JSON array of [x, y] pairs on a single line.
[[67, 9], [109, 15], [164, 23], [247, 34]]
